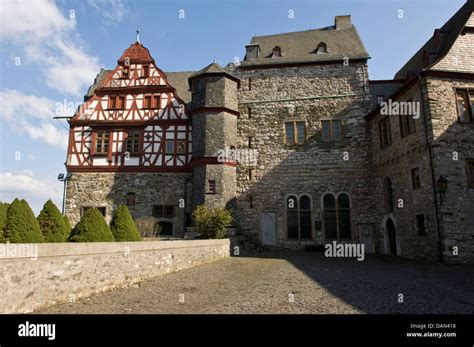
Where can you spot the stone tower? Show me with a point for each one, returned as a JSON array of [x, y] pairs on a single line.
[[214, 111]]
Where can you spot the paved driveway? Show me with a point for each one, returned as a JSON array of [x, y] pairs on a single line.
[[294, 282]]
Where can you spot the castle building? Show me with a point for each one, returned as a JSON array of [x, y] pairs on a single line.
[[295, 140]]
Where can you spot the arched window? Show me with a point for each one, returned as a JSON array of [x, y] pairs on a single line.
[[388, 191], [337, 217], [276, 52], [344, 216], [330, 217], [298, 217], [322, 48], [292, 217]]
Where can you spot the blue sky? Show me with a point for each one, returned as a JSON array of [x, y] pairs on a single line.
[[50, 51]]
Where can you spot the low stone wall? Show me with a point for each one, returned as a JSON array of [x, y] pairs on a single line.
[[45, 274]]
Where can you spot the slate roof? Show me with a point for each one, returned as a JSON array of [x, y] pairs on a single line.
[[213, 69], [383, 88], [300, 46], [179, 80], [452, 29]]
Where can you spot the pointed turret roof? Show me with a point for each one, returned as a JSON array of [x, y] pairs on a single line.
[[214, 69]]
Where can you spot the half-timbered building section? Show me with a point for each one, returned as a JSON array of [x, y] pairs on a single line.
[[133, 120]]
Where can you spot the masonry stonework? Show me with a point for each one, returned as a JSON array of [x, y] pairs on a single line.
[[303, 103]]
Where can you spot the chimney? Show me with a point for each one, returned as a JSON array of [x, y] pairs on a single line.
[[252, 52], [342, 22]]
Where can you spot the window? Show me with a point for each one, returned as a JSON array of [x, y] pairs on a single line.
[[130, 199], [102, 210], [385, 133], [117, 102], [470, 173], [415, 178], [169, 147], [295, 133], [322, 48], [102, 140], [337, 217], [250, 174], [181, 147], [250, 84], [132, 144], [151, 101], [147, 101], [125, 72], [250, 141], [276, 52], [298, 217], [211, 187], [331, 130], [249, 110], [388, 189], [407, 125], [146, 70], [465, 105], [380, 99], [163, 211], [420, 224], [156, 101]]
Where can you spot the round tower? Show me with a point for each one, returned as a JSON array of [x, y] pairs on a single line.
[[214, 112]]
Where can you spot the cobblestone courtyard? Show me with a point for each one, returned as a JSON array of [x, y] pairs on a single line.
[[293, 282]]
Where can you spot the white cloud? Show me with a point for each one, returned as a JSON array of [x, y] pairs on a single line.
[[32, 20], [113, 11], [34, 190], [48, 38], [32, 115]]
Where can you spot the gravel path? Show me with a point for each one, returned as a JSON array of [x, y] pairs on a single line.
[[293, 282]]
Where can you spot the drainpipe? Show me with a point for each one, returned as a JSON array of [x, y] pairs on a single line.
[[186, 180], [433, 179]]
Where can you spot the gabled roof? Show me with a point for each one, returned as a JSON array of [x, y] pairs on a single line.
[[137, 53], [213, 69], [177, 80], [300, 46], [450, 30]]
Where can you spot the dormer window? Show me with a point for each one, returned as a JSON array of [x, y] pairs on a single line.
[[276, 52], [322, 48]]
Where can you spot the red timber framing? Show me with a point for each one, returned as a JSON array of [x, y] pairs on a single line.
[[134, 97]]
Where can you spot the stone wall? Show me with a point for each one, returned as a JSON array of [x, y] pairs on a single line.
[[395, 162], [68, 271], [460, 57], [268, 98], [111, 189], [452, 144]]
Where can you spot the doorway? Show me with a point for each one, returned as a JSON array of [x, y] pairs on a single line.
[[268, 228], [392, 237]]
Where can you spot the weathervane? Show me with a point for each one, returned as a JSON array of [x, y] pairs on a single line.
[[138, 35]]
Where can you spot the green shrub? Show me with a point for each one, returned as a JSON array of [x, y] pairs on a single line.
[[3, 218], [21, 225], [91, 228], [148, 227], [67, 225], [122, 226], [212, 223], [52, 224]]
